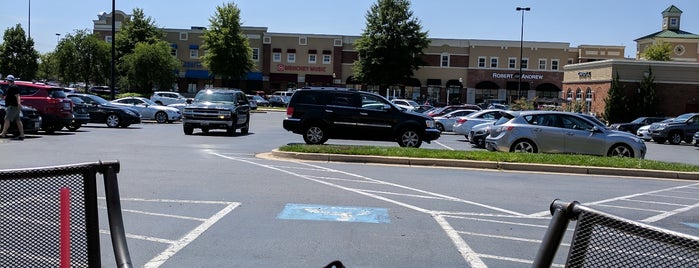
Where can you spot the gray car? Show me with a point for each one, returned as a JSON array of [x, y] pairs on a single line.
[[446, 122], [463, 124], [560, 132]]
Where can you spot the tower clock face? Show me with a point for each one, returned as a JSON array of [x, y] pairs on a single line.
[[679, 50]]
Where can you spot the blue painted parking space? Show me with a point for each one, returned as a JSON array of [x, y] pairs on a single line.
[[334, 213]]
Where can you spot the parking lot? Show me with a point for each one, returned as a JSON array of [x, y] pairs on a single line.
[[212, 201]]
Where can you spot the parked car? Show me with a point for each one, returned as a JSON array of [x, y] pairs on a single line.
[[103, 111], [31, 120], [446, 122], [167, 97], [446, 109], [632, 127], [322, 114], [55, 109], [251, 102], [560, 132], [102, 90], [227, 109], [150, 110], [463, 124], [259, 100], [696, 138], [409, 105], [681, 128], [81, 115], [278, 100], [478, 134], [644, 131]]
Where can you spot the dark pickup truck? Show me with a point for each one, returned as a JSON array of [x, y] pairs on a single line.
[[217, 109]]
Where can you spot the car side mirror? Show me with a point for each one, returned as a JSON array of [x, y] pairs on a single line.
[[189, 101], [387, 107], [595, 129]]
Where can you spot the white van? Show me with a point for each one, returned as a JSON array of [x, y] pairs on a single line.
[[284, 93]]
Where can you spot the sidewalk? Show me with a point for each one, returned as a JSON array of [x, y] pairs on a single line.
[[364, 159]]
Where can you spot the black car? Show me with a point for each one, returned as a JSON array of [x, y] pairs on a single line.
[[633, 126], [102, 111], [81, 115], [278, 101], [320, 114], [31, 120]]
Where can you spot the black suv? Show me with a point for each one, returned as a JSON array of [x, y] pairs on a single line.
[[681, 128], [227, 109], [323, 113]]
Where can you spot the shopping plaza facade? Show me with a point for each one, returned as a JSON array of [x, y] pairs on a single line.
[[456, 70]]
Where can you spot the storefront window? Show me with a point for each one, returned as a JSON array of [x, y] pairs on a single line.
[[453, 95], [483, 94], [578, 94], [569, 95], [433, 94], [412, 93]]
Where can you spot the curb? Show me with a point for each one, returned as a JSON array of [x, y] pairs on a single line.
[[426, 162]]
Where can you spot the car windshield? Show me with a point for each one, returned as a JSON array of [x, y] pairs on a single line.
[[57, 93], [77, 100], [682, 118], [98, 100], [413, 103], [215, 96], [258, 98], [638, 120]]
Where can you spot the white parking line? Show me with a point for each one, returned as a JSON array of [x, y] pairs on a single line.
[[440, 144], [670, 213]]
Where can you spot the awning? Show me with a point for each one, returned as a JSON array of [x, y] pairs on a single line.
[[434, 82], [487, 85], [196, 74], [193, 46], [454, 83], [173, 45], [254, 76], [412, 82], [547, 87]]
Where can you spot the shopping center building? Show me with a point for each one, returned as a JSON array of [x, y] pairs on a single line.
[[456, 70]]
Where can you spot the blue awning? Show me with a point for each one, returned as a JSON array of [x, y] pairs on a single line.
[[193, 46], [254, 76], [196, 74], [173, 45]]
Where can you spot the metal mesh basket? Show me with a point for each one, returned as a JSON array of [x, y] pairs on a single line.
[[604, 240], [30, 215]]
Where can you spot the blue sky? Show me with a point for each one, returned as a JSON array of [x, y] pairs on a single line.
[[589, 22]]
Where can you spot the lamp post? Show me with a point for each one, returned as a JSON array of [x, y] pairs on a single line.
[[58, 36], [521, 51]]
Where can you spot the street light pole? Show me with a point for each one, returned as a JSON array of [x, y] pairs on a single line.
[[58, 36], [521, 51]]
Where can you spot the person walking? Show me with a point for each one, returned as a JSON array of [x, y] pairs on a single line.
[[14, 107]]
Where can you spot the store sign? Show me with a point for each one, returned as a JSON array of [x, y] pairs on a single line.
[[584, 75], [293, 68], [516, 76]]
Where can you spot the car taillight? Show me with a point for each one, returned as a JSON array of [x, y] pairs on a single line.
[[506, 128], [461, 120], [289, 111]]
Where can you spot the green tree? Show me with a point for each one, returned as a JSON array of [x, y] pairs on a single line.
[[149, 66], [134, 30], [48, 67], [646, 101], [391, 46], [17, 54], [83, 57], [659, 51], [522, 104], [615, 108], [228, 53]]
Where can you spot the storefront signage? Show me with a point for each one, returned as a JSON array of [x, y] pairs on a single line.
[[516, 76], [290, 68], [584, 75]]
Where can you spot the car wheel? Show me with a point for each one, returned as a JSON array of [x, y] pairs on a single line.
[[315, 134], [188, 130], [231, 130], [113, 120], [50, 129], [659, 140], [159, 102], [621, 150], [480, 142], [73, 126], [524, 146], [161, 117], [675, 138], [440, 127], [409, 138], [246, 129]]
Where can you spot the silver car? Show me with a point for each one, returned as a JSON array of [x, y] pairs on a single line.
[[560, 132], [446, 122], [150, 109], [464, 124]]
